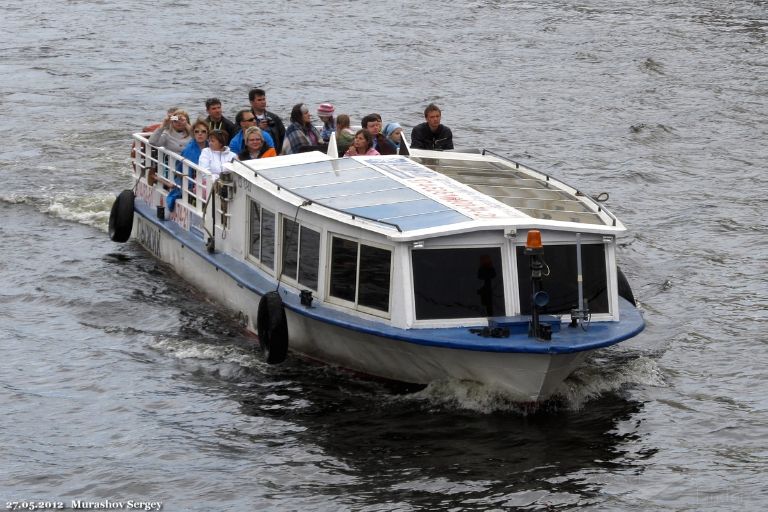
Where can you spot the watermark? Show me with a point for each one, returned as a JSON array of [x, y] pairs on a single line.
[[105, 504]]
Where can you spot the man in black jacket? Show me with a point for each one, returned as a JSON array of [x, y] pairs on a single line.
[[215, 119], [432, 134], [267, 120]]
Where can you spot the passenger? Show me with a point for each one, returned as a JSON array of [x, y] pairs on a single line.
[[217, 153], [344, 134], [192, 153], [266, 120], [200, 141], [372, 123], [174, 133], [431, 134], [245, 119], [325, 113], [153, 127], [255, 145], [300, 134], [215, 119], [393, 132], [362, 145]]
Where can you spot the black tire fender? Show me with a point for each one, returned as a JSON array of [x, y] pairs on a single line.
[[272, 328], [625, 290], [121, 217]]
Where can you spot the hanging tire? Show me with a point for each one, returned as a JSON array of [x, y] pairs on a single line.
[[625, 290], [272, 328], [121, 217]]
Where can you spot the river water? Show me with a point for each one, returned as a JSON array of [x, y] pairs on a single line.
[[119, 381]]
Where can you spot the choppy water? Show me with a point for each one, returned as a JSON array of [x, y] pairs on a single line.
[[119, 381]]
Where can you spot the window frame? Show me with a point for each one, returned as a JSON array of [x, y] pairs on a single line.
[[596, 315], [257, 260], [502, 273], [287, 278], [355, 304]]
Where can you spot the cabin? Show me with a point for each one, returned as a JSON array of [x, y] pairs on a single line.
[[431, 239]]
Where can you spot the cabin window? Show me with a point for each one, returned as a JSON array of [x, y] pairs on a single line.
[[458, 283], [343, 269], [360, 274], [375, 265], [560, 280], [301, 253], [262, 235]]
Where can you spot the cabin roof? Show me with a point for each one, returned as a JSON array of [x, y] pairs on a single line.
[[432, 191]]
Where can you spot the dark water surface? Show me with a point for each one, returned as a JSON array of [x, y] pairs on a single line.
[[119, 381]]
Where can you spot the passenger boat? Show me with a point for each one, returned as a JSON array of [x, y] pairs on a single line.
[[416, 267]]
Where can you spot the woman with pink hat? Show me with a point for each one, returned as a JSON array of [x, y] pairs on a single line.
[[325, 113]]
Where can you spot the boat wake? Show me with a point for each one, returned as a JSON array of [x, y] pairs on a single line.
[[226, 361], [597, 378], [592, 381], [92, 210]]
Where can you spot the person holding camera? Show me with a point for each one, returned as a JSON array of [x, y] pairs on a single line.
[[174, 133]]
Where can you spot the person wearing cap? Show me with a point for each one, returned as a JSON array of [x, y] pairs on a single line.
[[301, 134], [431, 134], [325, 113], [394, 132]]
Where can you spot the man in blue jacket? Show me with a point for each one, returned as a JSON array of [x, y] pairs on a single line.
[[245, 119]]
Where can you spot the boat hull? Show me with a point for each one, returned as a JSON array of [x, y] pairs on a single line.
[[522, 376]]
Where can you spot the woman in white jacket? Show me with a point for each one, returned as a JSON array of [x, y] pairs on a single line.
[[217, 153]]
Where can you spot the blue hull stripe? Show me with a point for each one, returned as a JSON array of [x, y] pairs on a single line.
[[567, 340]]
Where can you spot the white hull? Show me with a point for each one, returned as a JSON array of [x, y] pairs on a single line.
[[523, 376]]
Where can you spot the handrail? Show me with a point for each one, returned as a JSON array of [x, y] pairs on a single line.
[[165, 162], [576, 192], [203, 184]]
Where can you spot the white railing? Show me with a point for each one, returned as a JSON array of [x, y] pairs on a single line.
[[165, 170]]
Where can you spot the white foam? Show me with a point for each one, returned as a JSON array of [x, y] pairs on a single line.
[[89, 210], [467, 395], [588, 383], [190, 349], [593, 380]]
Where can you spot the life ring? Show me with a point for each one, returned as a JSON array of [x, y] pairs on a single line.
[[625, 290], [121, 217], [272, 328]]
